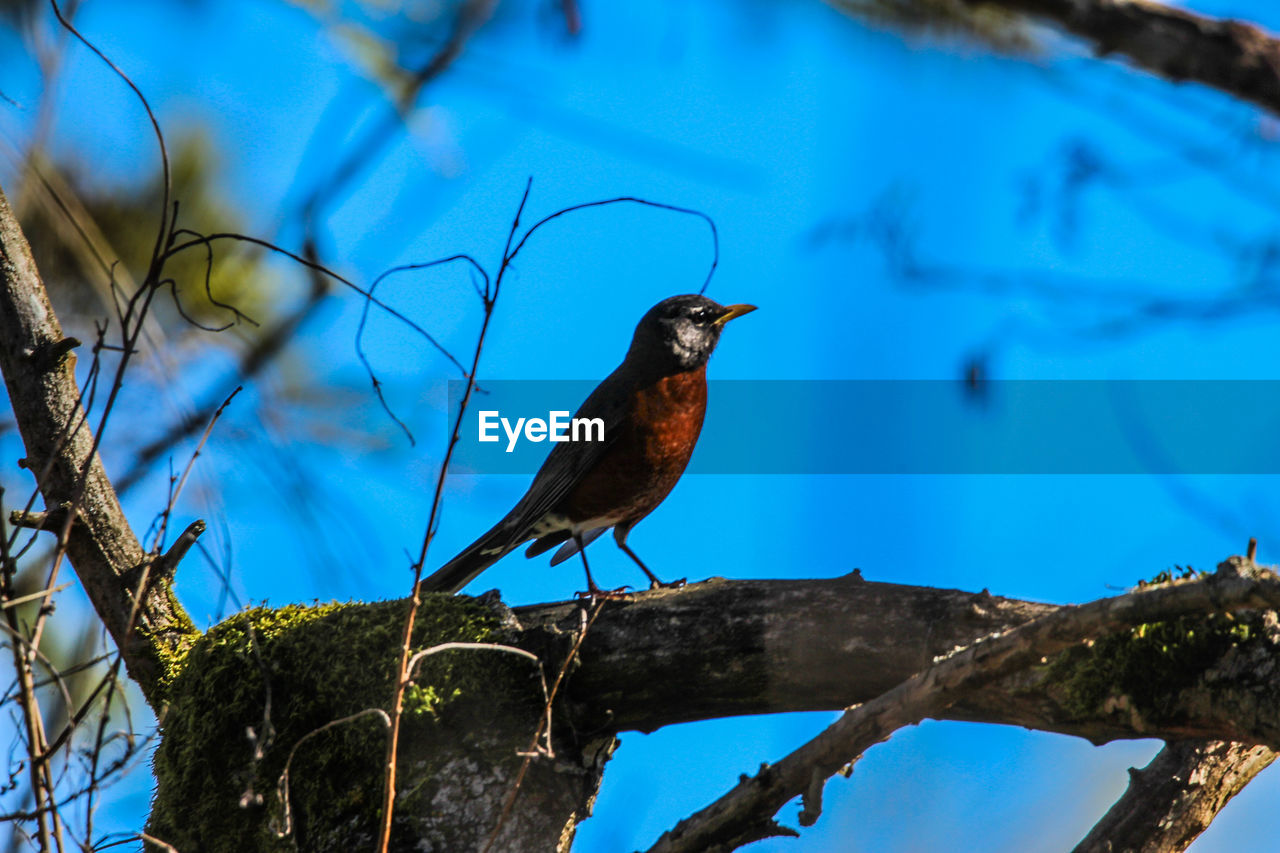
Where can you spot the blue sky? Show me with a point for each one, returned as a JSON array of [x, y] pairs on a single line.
[[787, 123]]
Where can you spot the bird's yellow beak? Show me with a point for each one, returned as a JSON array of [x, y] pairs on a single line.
[[735, 311]]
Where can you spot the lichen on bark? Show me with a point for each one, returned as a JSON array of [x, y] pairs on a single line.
[[1150, 674], [315, 664]]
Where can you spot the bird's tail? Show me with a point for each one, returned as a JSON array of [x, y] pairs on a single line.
[[478, 556]]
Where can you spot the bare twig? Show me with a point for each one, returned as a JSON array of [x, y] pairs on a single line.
[[95, 755], [364, 320], [715, 234], [285, 825], [489, 298], [319, 268], [83, 711], [162, 231], [448, 647], [41, 785], [544, 723], [168, 562], [51, 519], [168, 848], [176, 490], [32, 596], [266, 346]]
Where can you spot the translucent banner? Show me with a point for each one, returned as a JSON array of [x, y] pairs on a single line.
[[913, 427]]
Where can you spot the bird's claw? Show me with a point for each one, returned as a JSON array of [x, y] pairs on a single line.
[[603, 594], [676, 584]]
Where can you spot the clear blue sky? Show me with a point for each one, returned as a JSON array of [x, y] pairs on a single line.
[[787, 123]]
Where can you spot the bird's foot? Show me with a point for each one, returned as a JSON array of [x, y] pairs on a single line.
[[603, 594], [676, 584]]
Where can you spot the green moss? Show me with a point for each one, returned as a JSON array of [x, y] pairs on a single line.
[[1150, 664], [172, 653], [313, 665]]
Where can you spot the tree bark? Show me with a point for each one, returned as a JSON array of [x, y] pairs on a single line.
[[39, 373], [721, 648], [746, 812], [1175, 797], [307, 683], [1236, 57], [710, 649]]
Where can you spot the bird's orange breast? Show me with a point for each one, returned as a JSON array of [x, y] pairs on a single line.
[[644, 462]]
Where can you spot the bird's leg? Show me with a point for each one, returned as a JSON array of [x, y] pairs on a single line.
[[594, 591], [654, 583]]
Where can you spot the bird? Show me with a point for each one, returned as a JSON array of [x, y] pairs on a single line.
[[652, 406]]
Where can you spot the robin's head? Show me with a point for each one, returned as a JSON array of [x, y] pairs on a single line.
[[681, 331]]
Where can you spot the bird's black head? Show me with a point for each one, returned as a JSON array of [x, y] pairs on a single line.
[[680, 332]]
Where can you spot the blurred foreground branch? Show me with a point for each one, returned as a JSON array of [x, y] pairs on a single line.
[[1237, 57]]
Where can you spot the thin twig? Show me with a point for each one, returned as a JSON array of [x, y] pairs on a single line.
[[415, 600], [29, 703], [544, 724], [186, 472], [364, 319], [715, 234], [32, 596], [285, 826]]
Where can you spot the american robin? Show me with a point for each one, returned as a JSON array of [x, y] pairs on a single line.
[[652, 407]]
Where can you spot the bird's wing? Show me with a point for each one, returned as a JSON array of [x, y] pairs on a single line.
[[568, 462], [563, 469]]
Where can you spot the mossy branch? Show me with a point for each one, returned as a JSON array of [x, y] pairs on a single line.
[[712, 649], [309, 682]]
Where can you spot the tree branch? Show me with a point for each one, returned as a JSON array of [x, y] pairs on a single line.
[[61, 454], [722, 648], [1236, 57], [1175, 797], [745, 813]]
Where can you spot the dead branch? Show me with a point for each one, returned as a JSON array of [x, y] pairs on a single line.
[[1236, 57], [1175, 797], [52, 519], [745, 813]]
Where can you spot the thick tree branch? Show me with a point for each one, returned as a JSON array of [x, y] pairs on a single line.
[[721, 648], [1236, 57], [745, 813], [1175, 797], [40, 377]]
